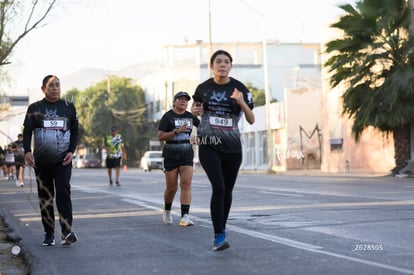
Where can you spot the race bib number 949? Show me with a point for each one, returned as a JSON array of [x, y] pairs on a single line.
[[221, 122]]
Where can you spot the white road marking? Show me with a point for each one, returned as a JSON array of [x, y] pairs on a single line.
[[290, 242], [143, 202]]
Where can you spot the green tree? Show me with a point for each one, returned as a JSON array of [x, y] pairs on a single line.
[[259, 98], [17, 20], [373, 61], [100, 108]]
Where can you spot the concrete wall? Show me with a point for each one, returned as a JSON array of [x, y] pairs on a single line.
[[303, 108], [373, 153]]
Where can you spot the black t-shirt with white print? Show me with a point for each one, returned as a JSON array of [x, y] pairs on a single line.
[[221, 114], [179, 147], [55, 130]]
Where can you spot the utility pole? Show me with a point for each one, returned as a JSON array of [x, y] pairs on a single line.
[[210, 41], [411, 38], [411, 7], [270, 148]]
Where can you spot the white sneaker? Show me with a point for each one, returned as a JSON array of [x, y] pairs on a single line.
[[21, 184], [167, 217], [185, 221]]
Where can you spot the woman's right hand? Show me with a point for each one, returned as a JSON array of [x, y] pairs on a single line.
[[197, 109], [29, 158]]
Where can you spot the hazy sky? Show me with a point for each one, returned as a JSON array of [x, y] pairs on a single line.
[[113, 34]]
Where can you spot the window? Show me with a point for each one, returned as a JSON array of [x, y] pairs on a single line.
[[250, 156], [336, 144], [263, 152]]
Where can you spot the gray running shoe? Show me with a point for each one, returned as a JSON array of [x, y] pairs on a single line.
[[167, 217], [69, 239], [185, 221]]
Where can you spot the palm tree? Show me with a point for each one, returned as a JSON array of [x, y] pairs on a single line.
[[374, 61]]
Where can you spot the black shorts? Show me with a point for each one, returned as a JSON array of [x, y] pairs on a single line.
[[113, 162], [19, 160], [171, 164]]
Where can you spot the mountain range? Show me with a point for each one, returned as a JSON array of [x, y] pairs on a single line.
[[87, 77]]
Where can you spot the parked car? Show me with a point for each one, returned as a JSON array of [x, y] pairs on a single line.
[[88, 161], [151, 160], [75, 160]]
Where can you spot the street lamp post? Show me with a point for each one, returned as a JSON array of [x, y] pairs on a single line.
[[411, 30], [266, 87]]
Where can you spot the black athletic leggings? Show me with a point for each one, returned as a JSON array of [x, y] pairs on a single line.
[[222, 170]]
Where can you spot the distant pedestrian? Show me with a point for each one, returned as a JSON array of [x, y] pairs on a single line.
[[116, 152], [10, 161], [3, 162], [175, 129], [221, 101], [53, 122], [19, 160]]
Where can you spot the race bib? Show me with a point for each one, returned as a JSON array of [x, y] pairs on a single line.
[[180, 122], [54, 124], [10, 158], [221, 122]]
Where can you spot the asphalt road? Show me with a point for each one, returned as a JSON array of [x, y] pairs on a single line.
[[279, 224]]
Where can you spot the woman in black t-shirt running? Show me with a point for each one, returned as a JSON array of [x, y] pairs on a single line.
[[175, 129], [221, 100]]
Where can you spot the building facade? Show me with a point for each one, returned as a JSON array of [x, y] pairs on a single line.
[[307, 128], [294, 76]]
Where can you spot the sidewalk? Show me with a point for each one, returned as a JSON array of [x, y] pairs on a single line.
[[317, 173], [10, 264]]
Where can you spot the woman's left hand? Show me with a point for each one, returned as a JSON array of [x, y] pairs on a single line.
[[68, 159], [238, 96]]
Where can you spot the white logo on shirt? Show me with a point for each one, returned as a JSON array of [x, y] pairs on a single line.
[[219, 96]]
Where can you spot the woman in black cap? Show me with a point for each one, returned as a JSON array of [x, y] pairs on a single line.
[[221, 101], [175, 129]]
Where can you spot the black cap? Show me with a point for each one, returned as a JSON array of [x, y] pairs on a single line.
[[180, 94], [113, 128]]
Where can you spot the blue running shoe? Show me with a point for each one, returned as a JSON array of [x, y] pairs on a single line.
[[220, 242]]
